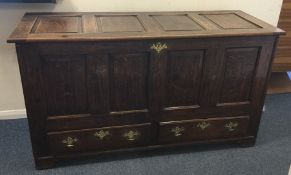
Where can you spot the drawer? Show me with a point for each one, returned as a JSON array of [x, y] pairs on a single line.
[[203, 129], [99, 138]]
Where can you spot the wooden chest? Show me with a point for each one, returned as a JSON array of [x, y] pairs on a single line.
[[108, 82]]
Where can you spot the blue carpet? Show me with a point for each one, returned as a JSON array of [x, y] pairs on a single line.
[[270, 156]]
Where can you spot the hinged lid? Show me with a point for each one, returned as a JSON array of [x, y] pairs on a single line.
[[44, 27]]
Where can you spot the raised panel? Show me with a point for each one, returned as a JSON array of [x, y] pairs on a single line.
[[184, 70], [99, 26], [128, 23], [230, 21], [240, 65], [57, 24], [65, 84], [129, 81], [125, 82], [98, 83], [176, 23]]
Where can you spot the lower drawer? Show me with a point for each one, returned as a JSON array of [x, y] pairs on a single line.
[[99, 138], [203, 129]]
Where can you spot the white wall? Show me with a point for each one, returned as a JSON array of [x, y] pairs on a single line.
[[11, 97]]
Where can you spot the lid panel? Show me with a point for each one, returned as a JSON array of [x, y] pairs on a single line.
[[94, 26], [129, 23], [57, 24], [230, 21], [176, 22]]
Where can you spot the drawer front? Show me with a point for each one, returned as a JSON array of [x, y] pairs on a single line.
[[203, 129], [100, 138]]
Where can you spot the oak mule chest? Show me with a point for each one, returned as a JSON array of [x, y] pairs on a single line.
[[107, 82]]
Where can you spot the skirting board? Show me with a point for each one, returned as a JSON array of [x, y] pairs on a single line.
[[12, 114]]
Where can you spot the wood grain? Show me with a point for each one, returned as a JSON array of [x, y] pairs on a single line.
[[203, 129], [141, 75], [137, 25]]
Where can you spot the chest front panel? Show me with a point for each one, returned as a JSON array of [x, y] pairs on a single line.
[[134, 82], [102, 96], [101, 82]]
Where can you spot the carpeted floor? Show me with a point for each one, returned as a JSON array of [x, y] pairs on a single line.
[[270, 156]]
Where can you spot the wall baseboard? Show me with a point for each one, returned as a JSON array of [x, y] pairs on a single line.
[[12, 114]]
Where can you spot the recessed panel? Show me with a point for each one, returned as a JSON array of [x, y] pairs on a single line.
[[176, 23], [65, 84], [230, 21], [183, 77], [128, 82], [57, 24], [119, 24], [240, 65]]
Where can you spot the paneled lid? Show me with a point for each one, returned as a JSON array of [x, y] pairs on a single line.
[[44, 27]]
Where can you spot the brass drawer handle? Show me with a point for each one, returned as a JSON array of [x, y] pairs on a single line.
[[101, 134], [178, 131], [69, 141], [231, 126], [131, 135], [203, 125], [159, 47]]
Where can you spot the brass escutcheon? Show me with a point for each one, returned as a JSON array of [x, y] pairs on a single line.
[[69, 141], [101, 134], [178, 131], [158, 47], [231, 126], [203, 125], [131, 135]]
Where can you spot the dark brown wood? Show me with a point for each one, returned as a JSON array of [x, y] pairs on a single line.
[[108, 82], [68, 71], [57, 27], [238, 69], [180, 131], [100, 139]]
